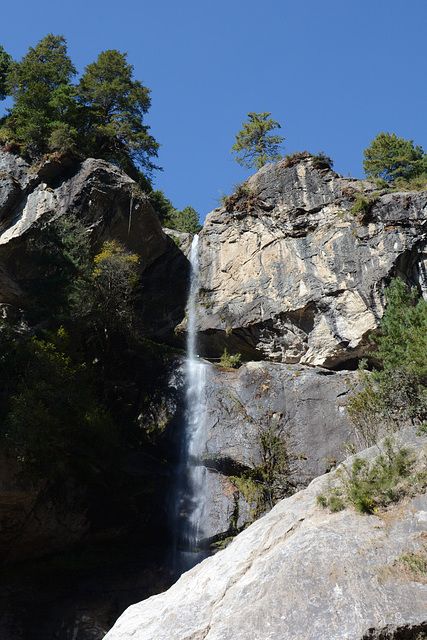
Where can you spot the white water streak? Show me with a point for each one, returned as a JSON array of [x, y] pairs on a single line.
[[196, 410]]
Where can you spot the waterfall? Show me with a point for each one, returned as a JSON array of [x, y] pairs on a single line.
[[192, 493]]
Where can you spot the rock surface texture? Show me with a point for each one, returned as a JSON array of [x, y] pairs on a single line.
[[300, 572], [289, 273], [111, 206], [253, 412]]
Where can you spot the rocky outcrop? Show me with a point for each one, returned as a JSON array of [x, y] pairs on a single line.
[[290, 415], [111, 206], [289, 273], [300, 572]]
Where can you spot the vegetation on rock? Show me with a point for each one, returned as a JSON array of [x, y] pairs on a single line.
[[228, 360], [255, 146], [65, 384], [389, 157], [102, 116], [398, 391], [5, 65], [113, 106], [186, 220], [368, 486], [322, 161]]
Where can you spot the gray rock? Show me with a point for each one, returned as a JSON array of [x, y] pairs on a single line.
[[299, 572], [248, 412], [111, 206], [291, 275]]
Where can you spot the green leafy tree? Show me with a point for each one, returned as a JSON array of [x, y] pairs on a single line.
[[61, 251], [102, 301], [44, 103], [389, 157], [255, 146], [114, 106], [5, 66]]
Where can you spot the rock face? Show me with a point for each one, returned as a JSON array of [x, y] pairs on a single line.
[[35, 521], [111, 206], [300, 572], [292, 414], [292, 275]]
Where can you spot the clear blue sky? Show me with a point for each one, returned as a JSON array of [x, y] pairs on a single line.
[[333, 74]]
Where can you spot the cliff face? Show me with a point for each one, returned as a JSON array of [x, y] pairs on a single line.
[[292, 275], [111, 206], [35, 518], [291, 415]]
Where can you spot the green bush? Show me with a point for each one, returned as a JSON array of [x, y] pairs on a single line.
[[398, 391], [367, 486], [55, 423], [229, 360], [322, 161]]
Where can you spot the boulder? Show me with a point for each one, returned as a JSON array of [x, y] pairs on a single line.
[[289, 273], [301, 572]]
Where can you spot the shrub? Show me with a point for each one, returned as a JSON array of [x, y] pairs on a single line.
[[398, 392], [229, 360], [362, 207], [368, 486], [322, 161]]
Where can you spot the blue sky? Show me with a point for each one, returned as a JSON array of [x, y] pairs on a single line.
[[333, 74]]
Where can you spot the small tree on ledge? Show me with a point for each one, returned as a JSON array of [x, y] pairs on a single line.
[[255, 144]]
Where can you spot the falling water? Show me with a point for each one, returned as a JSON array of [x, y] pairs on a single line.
[[192, 500]]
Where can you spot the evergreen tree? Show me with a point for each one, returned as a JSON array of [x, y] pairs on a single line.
[[185, 220], [389, 157], [255, 144], [114, 108], [397, 391], [44, 106], [5, 66]]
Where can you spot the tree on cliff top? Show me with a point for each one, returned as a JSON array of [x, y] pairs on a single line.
[[389, 157], [43, 97], [114, 106], [255, 144], [101, 117]]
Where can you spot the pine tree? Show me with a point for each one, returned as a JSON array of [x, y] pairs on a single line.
[[389, 157], [114, 106], [255, 144], [5, 66], [44, 105]]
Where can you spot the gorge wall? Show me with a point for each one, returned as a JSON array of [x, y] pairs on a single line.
[[291, 274], [291, 279]]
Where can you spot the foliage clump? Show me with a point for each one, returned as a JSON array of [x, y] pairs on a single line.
[[255, 146], [5, 65], [362, 207], [243, 200], [60, 416], [102, 116], [55, 424], [369, 486], [294, 158], [389, 158], [267, 482], [186, 220], [398, 391], [322, 161], [229, 360]]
